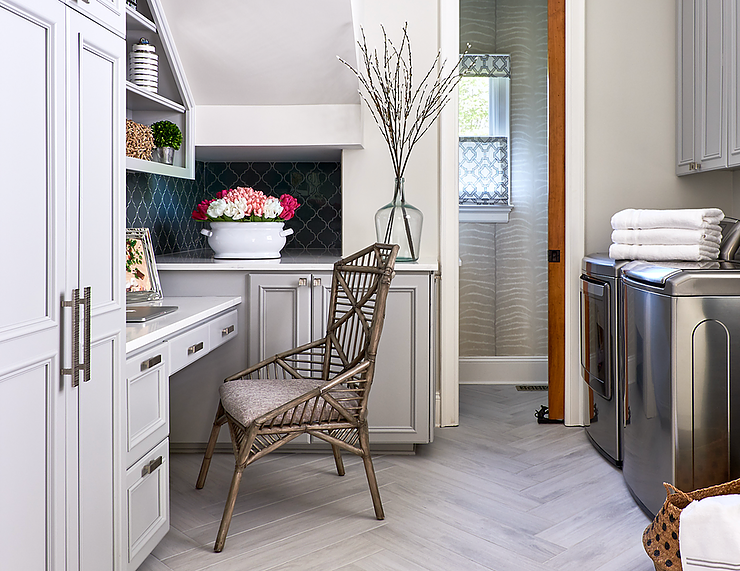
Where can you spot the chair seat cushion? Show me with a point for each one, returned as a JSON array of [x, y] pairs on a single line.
[[247, 399]]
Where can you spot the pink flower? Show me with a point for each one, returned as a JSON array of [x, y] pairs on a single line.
[[289, 205], [200, 212]]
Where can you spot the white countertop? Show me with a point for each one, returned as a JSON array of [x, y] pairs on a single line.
[[190, 311], [293, 262]]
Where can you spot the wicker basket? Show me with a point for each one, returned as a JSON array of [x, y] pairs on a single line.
[[660, 538], [139, 140]]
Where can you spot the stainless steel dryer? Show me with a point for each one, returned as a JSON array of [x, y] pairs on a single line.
[[601, 350], [682, 373]]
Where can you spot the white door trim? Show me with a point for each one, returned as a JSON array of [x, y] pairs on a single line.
[[575, 182], [449, 311]]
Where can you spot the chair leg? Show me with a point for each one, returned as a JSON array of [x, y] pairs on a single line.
[[338, 459], [228, 508], [370, 471], [217, 423]]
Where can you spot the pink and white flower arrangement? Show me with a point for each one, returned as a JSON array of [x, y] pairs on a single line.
[[244, 204]]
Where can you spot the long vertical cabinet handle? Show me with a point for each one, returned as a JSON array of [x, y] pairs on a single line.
[[76, 366], [86, 303], [74, 369]]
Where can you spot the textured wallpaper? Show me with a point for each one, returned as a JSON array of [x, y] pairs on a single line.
[[503, 277], [163, 204]]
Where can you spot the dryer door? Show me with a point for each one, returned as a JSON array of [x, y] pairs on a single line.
[[596, 342]]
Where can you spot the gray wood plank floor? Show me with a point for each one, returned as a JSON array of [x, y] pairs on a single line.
[[498, 492]]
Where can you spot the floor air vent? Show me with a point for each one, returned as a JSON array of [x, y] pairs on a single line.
[[531, 387]]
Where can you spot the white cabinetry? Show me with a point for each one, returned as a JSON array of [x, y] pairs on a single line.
[[109, 13], [62, 145], [286, 310], [172, 102], [146, 502], [289, 309], [707, 133]]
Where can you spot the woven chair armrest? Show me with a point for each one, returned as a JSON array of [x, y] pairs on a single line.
[[344, 377], [279, 360]]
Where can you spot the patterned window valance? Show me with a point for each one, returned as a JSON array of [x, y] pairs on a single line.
[[486, 65]]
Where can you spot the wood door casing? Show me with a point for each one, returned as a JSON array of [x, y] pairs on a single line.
[[556, 208]]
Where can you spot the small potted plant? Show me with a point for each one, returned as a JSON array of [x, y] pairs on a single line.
[[167, 140]]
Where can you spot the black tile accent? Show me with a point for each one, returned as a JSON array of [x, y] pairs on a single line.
[[164, 204]]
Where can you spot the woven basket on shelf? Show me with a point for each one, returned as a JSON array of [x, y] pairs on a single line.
[[660, 538], [139, 140]]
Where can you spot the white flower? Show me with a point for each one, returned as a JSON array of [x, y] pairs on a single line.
[[232, 211], [272, 208], [216, 208]]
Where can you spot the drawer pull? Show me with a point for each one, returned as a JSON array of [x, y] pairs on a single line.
[[316, 282], [149, 363], [195, 348], [302, 282], [153, 465], [226, 330]]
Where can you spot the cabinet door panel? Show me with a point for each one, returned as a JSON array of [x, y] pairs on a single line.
[[95, 458], [279, 313], [26, 450], [686, 138], [712, 96], [97, 117], [734, 79], [399, 408], [32, 444], [31, 118]]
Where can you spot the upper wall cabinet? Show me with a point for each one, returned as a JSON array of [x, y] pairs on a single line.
[[109, 13], [171, 101], [707, 127]]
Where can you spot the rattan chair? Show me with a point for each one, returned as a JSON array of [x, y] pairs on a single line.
[[320, 388]]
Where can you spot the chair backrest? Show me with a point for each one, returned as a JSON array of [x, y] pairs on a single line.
[[359, 290]]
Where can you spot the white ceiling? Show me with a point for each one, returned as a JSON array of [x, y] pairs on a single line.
[[258, 52]]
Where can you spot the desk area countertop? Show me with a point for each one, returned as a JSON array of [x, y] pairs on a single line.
[[190, 311], [289, 262]]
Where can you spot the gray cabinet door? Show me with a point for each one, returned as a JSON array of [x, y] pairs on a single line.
[[400, 405], [706, 90]]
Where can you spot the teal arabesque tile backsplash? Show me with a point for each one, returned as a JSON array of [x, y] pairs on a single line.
[[163, 204]]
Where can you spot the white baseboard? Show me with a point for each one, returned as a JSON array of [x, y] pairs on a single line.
[[503, 370]]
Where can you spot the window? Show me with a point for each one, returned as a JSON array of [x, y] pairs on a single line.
[[484, 138]]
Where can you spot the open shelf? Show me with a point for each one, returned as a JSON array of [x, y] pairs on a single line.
[[138, 99], [172, 101]]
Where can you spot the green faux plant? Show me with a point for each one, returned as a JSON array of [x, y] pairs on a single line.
[[166, 134]]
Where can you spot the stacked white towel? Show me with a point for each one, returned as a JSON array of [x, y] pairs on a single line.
[[709, 534], [691, 235]]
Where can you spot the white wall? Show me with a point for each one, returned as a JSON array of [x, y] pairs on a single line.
[[367, 173], [630, 118]]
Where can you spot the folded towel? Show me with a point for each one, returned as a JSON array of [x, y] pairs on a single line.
[[701, 236], [657, 253], [687, 218], [709, 534]]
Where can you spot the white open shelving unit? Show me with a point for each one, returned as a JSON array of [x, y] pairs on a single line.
[[173, 101]]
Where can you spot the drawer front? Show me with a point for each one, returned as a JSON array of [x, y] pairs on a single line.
[[147, 402], [147, 503], [224, 328], [188, 347]]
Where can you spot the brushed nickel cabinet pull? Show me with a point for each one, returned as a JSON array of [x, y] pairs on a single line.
[[302, 282], [149, 363], [226, 330], [316, 282], [153, 465], [86, 305], [195, 348], [74, 368]]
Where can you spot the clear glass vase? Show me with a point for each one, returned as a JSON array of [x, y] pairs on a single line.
[[398, 222]]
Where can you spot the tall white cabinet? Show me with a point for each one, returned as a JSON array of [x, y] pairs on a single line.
[[62, 111]]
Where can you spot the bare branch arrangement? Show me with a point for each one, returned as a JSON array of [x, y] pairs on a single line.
[[402, 112]]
